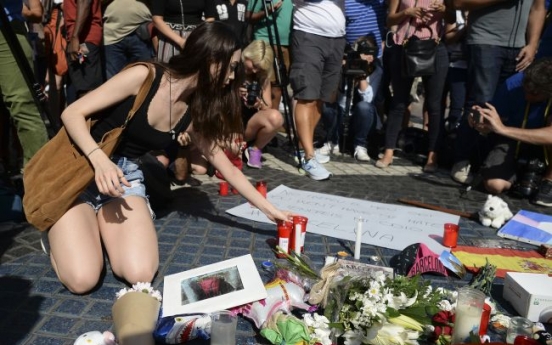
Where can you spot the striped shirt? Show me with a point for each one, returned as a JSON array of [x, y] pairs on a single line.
[[365, 17]]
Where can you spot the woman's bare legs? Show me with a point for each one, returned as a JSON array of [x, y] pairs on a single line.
[[263, 127], [76, 250], [130, 239]]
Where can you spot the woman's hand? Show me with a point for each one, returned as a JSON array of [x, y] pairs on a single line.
[[418, 12], [184, 139], [437, 6], [108, 175], [280, 215]]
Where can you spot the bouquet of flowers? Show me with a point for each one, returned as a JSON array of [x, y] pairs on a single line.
[[135, 314], [380, 310]]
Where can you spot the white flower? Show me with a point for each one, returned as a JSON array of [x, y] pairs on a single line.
[[144, 287], [141, 287], [445, 305], [353, 337], [401, 301]]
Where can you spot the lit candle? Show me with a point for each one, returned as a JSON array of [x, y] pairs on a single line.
[[358, 242]]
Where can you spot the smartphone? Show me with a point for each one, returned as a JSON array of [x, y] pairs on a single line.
[[476, 115]]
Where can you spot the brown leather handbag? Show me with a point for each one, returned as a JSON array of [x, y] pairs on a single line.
[[59, 172]]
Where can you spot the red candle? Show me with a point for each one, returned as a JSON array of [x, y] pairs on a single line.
[[223, 188], [261, 188], [300, 224], [285, 230], [450, 235]]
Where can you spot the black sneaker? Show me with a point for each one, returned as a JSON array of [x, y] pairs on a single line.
[[544, 195]]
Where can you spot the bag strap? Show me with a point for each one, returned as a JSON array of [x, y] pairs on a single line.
[[143, 92]]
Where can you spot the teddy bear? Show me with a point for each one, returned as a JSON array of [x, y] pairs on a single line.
[[495, 212], [96, 338]]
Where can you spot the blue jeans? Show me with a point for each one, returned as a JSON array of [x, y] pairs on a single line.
[[488, 67], [433, 86], [130, 49], [456, 82], [364, 114]]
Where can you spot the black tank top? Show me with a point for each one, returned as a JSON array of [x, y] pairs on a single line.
[[139, 137]]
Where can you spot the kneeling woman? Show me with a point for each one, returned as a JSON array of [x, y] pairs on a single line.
[[195, 86], [261, 121]]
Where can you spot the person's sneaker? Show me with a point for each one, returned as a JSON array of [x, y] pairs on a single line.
[[254, 158], [544, 195], [460, 172], [320, 158], [361, 154], [329, 148], [315, 171]]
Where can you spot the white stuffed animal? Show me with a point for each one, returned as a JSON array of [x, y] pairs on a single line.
[[96, 338], [495, 212]]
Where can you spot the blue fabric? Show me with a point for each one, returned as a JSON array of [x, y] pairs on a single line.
[[488, 67], [13, 9], [130, 49], [510, 104], [364, 114], [365, 17]]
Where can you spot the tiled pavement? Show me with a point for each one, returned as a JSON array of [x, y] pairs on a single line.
[[36, 309]]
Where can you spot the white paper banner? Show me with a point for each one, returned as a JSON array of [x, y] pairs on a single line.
[[384, 225]]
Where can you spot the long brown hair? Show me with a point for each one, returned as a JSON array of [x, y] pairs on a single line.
[[214, 107]]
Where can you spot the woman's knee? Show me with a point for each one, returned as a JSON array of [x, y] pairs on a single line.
[[275, 119], [496, 186], [138, 271], [80, 281]]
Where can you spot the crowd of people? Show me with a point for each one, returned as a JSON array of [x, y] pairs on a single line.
[[221, 70]]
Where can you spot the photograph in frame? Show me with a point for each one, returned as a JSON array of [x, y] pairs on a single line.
[[213, 287]]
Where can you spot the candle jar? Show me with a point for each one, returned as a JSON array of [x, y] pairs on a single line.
[[285, 230], [469, 309], [299, 234], [450, 235], [518, 326], [261, 188]]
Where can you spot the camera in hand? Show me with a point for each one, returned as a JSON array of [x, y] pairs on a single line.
[[355, 66], [529, 175], [253, 92]]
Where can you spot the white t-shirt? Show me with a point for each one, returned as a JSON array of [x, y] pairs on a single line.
[[324, 18]]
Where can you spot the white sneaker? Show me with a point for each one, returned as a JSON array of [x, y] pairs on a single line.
[[329, 148], [320, 158], [316, 171], [361, 154], [460, 172]]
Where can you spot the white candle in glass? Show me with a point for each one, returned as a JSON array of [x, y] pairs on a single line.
[[358, 242], [467, 319]]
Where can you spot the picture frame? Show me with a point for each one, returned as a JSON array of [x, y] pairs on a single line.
[[222, 285]]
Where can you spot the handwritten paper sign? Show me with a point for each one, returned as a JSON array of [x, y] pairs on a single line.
[[384, 225]]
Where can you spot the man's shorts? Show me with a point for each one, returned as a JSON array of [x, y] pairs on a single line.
[[88, 75], [315, 66], [133, 175]]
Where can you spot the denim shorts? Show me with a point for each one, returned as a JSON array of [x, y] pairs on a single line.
[[134, 176]]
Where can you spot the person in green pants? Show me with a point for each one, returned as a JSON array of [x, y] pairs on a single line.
[[16, 95]]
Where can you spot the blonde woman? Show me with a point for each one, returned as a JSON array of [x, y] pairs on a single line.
[[261, 122]]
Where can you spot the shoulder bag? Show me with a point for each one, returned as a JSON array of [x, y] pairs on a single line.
[[59, 172], [419, 54]]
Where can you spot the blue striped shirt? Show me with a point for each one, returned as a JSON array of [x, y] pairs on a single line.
[[365, 17]]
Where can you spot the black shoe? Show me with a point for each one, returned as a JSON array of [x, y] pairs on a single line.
[[544, 195]]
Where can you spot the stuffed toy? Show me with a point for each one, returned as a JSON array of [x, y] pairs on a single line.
[[495, 212], [96, 338]]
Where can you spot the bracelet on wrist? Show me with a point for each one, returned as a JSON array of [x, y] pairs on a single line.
[[89, 153]]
